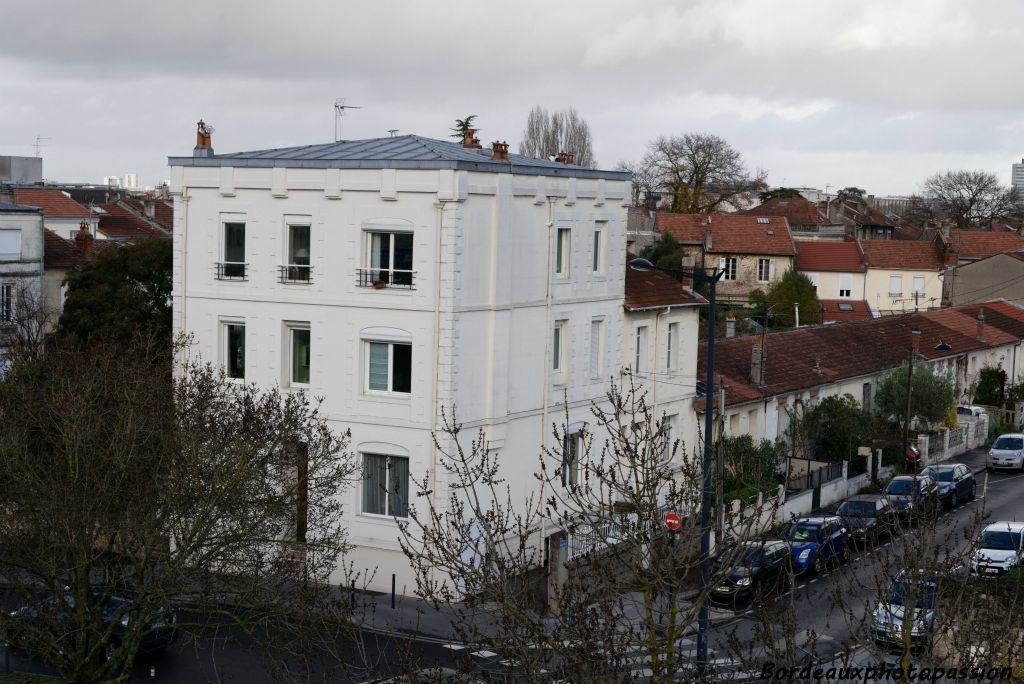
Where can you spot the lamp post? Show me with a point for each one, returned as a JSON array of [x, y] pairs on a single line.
[[703, 617]]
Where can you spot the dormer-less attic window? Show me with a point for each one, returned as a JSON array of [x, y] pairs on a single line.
[[846, 307], [761, 219]]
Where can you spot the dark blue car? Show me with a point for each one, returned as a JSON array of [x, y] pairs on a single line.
[[817, 543]]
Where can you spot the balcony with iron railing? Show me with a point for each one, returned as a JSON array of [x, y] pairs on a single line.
[[381, 278], [231, 270], [295, 273]]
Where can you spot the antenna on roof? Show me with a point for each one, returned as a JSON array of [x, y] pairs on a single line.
[[392, 131], [339, 111], [38, 143]]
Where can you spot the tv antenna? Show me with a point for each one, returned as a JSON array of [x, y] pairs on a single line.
[[39, 143], [339, 111], [392, 131]]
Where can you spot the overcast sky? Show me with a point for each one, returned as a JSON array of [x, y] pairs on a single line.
[[878, 94]]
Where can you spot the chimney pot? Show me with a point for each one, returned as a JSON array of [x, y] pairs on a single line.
[[730, 324], [570, 157], [981, 326], [84, 239], [204, 140], [755, 365]]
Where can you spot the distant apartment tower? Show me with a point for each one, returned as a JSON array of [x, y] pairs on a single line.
[[1017, 178], [112, 181], [128, 180]]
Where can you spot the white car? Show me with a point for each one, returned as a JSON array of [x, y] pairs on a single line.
[[973, 411], [1007, 452], [1000, 548]]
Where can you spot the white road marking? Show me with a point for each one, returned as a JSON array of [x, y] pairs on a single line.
[[454, 647], [484, 654]]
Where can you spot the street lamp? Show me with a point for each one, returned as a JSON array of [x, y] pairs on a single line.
[[703, 618]]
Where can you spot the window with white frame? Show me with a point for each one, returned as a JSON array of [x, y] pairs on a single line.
[[640, 358], [596, 347], [559, 345], [765, 270], [563, 249], [6, 303], [571, 448], [727, 265], [895, 285], [232, 265], [669, 427], [845, 285], [10, 244], [673, 341], [298, 268], [298, 354], [389, 367], [918, 285], [233, 336], [388, 260], [386, 485], [599, 249]]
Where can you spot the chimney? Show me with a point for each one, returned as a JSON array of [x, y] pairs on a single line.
[[755, 365], [470, 141], [204, 140], [708, 242], [981, 326], [730, 324], [149, 207], [688, 265], [84, 240], [561, 157], [570, 157], [499, 151]]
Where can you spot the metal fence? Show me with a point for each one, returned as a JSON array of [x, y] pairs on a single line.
[[815, 478], [587, 537], [936, 443], [956, 437]]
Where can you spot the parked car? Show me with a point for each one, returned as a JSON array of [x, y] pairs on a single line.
[[955, 481], [1000, 548], [974, 411], [751, 569], [1007, 452], [817, 542], [892, 624], [867, 517], [913, 495], [116, 614]]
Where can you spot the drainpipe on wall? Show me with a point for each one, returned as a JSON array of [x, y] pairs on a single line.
[[546, 389]]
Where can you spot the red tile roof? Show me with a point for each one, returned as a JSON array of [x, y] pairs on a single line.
[[978, 244], [825, 255], [163, 213], [59, 253], [54, 203], [834, 310], [654, 290], [119, 223], [797, 210], [807, 358], [901, 254], [731, 233]]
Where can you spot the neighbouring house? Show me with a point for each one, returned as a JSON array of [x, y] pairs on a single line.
[[152, 209], [838, 310], [403, 276], [902, 275], [967, 246], [21, 272], [768, 377], [118, 223], [1000, 276], [805, 219], [837, 269], [752, 251], [864, 222], [660, 348], [61, 214]]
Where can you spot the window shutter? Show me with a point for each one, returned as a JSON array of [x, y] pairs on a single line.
[[771, 269], [721, 264]]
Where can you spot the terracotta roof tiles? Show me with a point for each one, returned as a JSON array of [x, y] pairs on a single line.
[[901, 254], [652, 290], [53, 202], [731, 233], [823, 255], [978, 244]]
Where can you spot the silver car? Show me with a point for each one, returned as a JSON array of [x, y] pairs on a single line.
[[1007, 452]]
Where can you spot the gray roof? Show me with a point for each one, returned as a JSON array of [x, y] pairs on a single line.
[[399, 152], [10, 208]]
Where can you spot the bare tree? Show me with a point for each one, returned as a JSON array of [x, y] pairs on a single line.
[[547, 134], [700, 171], [119, 480], [972, 198], [29, 322], [645, 183]]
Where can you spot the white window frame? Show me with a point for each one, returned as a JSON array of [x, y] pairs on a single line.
[[600, 251], [897, 281], [571, 469], [765, 270], [563, 252], [290, 329], [6, 303], [387, 490], [229, 266], [641, 352], [845, 286], [10, 238], [559, 346], [391, 344], [596, 348], [671, 344], [729, 266], [915, 283], [670, 425], [295, 272], [225, 346]]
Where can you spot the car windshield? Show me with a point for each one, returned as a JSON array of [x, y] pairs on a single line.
[[745, 557], [804, 533], [945, 475], [921, 593], [1009, 444], [858, 509], [899, 487], [1000, 540]]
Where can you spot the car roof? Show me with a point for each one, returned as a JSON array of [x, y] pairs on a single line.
[[866, 497], [1012, 434], [1005, 525], [815, 519]]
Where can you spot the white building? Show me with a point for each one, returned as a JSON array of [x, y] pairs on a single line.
[[398, 277], [21, 267], [1017, 178]]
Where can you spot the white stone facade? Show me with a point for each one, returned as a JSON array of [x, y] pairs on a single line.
[[21, 266]]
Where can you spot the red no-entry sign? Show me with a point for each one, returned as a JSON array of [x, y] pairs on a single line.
[[672, 521]]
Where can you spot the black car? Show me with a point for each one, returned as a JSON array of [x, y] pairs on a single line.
[[751, 569], [116, 614], [955, 480], [868, 517], [913, 496]]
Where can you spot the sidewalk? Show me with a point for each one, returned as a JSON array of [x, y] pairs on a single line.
[[973, 459]]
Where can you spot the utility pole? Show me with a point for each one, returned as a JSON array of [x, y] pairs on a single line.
[[915, 336], [720, 464]]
